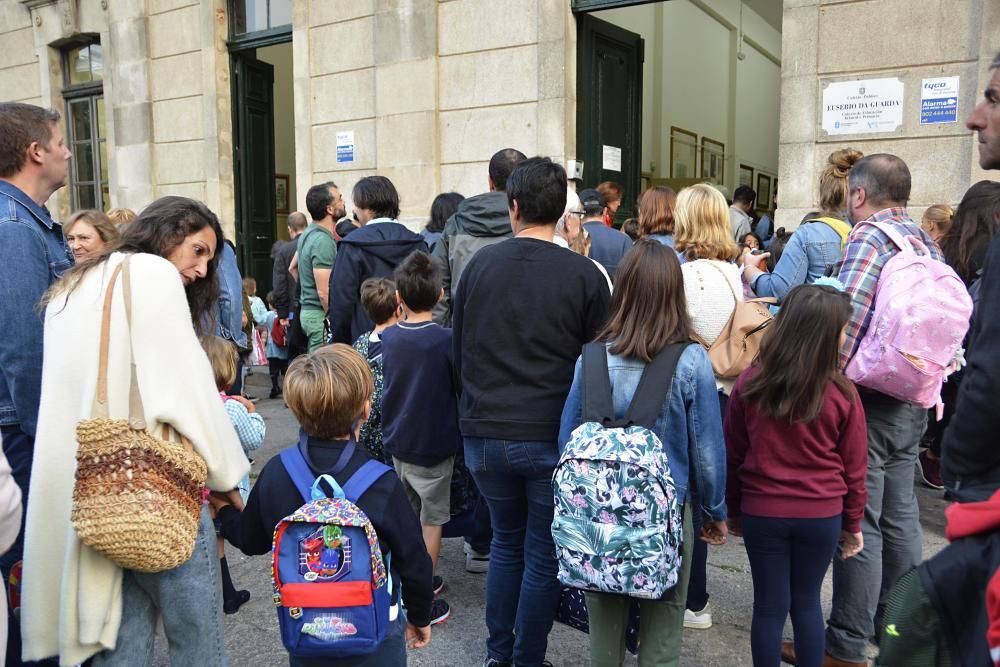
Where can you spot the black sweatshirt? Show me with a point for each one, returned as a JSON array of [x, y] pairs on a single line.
[[523, 310], [274, 497], [419, 398]]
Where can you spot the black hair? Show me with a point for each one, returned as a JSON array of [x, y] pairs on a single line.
[[270, 299], [318, 199], [444, 206], [885, 179], [502, 164], [418, 281], [538, 185], [378, 195], [744, 194]]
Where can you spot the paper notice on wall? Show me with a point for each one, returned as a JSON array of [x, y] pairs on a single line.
[[863, 107], [345, 146], [939, 100], [612, 160]]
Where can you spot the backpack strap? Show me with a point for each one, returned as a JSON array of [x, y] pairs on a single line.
[[598, 405], [363, 478], [893, 235], [297, 468], [654, 386], [842, 228]]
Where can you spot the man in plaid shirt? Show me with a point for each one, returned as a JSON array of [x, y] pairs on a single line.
[[879, 188]]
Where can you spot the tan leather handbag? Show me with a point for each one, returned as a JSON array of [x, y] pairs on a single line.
[[736, 347], [137, 497]]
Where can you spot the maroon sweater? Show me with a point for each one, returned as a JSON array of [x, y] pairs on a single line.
[[797, 471]]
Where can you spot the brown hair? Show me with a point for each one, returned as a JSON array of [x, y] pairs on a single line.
[[975, 224], [940, 216], [327, 390], [101, 223], [222, 355], [648, 309], [378, 298], [250, 286], [610, 190], [656, 211], [833, 187], [121, 216], [702, 227], [23, 125], [800, 354]]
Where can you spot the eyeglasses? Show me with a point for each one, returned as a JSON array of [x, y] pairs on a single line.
[[578, 214]]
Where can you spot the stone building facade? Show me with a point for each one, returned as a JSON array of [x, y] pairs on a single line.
[[431, 88]]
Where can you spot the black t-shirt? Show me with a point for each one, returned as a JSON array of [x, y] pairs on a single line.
[[523, 310]]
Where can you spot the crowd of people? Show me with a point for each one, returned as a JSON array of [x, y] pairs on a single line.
[[521, 374]]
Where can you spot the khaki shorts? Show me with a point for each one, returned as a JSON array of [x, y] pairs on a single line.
[[428, 488]]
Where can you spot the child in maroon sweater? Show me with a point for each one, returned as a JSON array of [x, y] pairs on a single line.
[[798, 454]]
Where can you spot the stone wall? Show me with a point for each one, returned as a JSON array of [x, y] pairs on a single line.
[[842, 40]]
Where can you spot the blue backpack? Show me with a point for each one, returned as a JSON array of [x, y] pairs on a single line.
[[331, 584]]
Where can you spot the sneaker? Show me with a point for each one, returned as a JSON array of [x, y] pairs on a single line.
[[930, 470], [493, 662], [438, 584], [232, 606], [698, 620], [440, 611], [476, 562]]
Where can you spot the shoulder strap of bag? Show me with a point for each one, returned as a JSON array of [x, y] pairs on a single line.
[[363, 478], [298, 470], [732, 289], [597, 401], [654, 386], [892, 233], [100, 406], [842, 228]]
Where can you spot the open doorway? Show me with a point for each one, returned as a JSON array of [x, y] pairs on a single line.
[[680, 92], [264, 151]]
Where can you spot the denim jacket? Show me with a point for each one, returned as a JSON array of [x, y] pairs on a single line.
[[229, 313], [33, 255], [811, 251], [689, 425]]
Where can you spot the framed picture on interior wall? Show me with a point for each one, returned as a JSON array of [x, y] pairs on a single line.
[[281, 182], [746, 175], [713, 159], [683, 153], [763, 192]]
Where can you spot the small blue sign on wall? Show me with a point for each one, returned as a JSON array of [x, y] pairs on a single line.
[[939, 100]]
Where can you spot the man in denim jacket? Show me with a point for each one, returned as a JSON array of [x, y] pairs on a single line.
[[33, 165]]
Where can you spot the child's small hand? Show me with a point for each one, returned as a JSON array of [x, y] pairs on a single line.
[[417, 637], [245, 402], [851, 544], [219, 499]]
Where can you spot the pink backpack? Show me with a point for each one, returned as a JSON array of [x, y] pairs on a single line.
[[921, 314]]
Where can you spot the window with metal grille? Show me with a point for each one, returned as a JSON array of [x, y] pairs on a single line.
[[83, 91]]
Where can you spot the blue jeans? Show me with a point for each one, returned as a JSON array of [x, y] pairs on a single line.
[[891, 527], [788, 560], [522, 592], [390, 653], [188, 597]]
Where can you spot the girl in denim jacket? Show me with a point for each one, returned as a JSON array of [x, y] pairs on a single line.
[[649, 312]]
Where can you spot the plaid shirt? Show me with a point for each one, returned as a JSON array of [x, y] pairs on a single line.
[[867, 251]]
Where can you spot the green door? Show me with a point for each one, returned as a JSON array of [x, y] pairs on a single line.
[[254, 154], [609, 107]]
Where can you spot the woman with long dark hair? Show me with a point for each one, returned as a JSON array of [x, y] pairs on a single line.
[[442, 208], [77, 603], [798, 455], [648, 313]]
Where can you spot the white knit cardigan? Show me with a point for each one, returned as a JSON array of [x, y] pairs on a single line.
[[710, 300], [72, 595]]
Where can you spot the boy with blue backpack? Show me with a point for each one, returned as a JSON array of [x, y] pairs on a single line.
[[342, 550]]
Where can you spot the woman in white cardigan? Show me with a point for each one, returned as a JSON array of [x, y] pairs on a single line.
[[75, 602], [703, 238]]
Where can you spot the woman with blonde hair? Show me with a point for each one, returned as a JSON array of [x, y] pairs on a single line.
[[937, 221], [706, 248], [817, 244], [90, 232]]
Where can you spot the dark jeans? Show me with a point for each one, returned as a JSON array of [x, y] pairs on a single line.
[[891, 527], [788, 560], [237, 388], [522, 592], [19, 448], [277, 368], [390, 653], [481, 535]]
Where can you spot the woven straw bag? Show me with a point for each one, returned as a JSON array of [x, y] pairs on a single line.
[[137, 497], [739, 341]]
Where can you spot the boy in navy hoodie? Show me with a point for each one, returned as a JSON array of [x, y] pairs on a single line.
[[420, 403], [329, 392]]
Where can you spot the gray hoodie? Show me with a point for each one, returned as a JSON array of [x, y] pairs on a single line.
[[479, 221]]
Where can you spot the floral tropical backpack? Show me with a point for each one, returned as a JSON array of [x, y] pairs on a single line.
[[617, 525], [331, 584]]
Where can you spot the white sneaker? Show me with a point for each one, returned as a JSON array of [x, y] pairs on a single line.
[[475, 562], [698, 620]]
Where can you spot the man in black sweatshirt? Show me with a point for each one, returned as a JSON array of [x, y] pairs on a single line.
[[329, 393], [970, 456], [522, 312]]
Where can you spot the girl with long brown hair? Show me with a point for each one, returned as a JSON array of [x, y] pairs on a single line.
[[649, 313], [798, 455]]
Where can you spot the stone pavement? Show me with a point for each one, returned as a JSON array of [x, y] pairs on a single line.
[[252, 637]]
